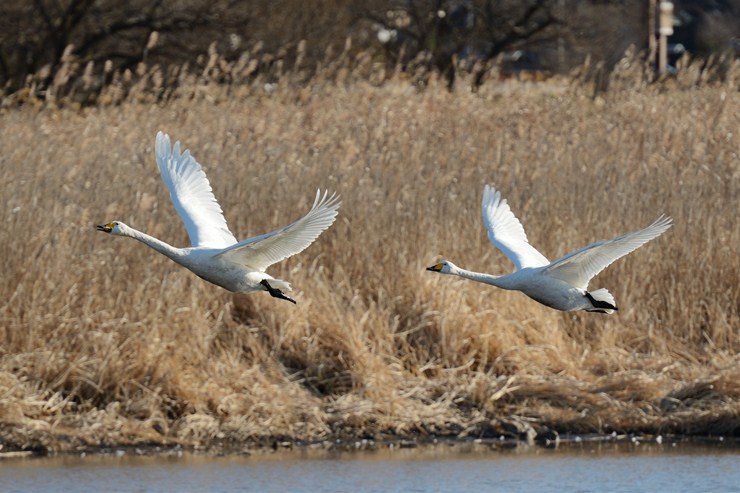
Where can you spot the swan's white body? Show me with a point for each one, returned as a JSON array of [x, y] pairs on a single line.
[[562, 284], [214, 254]]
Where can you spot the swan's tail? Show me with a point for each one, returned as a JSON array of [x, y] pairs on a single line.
[[602, 301], [280, 284]]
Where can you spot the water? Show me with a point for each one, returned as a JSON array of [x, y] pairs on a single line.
[[594, 468]]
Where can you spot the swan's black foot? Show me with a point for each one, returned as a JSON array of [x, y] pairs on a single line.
[[276, 293], [600, 306]]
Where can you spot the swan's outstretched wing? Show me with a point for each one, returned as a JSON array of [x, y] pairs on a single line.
[[192, 196], [579, 267], [506, 232], [262, 251]]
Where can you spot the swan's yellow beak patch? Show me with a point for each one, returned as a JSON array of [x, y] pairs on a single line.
[[106, 228], [435, 267]]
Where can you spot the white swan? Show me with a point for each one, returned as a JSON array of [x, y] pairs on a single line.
[[561, 284], [215, 255]]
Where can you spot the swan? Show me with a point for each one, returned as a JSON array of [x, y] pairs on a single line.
[[214, 254], [562, 284]]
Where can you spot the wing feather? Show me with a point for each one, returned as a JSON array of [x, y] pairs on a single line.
[[192, 196], [579, 267], [262, 251], [507, 233]]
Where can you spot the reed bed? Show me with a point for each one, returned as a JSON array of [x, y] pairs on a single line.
[[104, 342]]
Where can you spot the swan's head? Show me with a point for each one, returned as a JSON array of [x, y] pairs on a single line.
[[114, 228], [443, 267]]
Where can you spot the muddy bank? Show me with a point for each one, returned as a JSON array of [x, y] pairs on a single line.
[[513, 434]]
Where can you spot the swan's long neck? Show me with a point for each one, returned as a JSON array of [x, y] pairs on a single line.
[[158, 245], [498, 281]]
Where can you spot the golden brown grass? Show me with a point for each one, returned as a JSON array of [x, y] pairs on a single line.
[[103, 341]]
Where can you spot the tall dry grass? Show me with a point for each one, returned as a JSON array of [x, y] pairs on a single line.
[[103, 341]]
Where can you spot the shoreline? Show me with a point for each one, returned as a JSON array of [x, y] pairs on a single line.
[[330, 447]]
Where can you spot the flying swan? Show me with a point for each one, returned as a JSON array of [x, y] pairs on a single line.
[[214, 254], [562, 284]]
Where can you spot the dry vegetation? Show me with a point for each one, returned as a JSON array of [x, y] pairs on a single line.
[[103, 341]]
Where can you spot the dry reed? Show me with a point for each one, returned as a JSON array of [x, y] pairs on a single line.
[[103, 341]]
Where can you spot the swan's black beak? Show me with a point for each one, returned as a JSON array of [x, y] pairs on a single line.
[[435, 268], [105, 228]]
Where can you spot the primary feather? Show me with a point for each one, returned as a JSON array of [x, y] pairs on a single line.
[[262, 251], [507, 233], [579, 267], [192, 195]]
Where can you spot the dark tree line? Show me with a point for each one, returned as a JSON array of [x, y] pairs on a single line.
[[463, 31], [37, 35]]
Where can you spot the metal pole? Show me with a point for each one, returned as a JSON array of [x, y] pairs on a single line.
[[662, 54], [665, 29]]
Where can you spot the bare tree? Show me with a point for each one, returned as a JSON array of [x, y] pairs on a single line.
[[36, 34], [442, 31]]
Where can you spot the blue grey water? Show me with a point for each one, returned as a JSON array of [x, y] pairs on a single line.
[[647, 469]]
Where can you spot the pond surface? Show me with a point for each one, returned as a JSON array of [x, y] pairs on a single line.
[[581, 468]]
